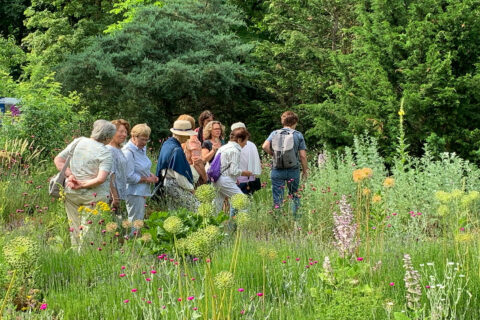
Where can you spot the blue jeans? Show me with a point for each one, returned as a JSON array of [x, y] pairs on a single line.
[[279, 178]]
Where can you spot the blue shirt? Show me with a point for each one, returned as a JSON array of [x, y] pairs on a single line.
[[138, 166], [298, 143]]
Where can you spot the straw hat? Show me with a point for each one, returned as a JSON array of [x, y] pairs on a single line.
[[183, 128], [237, 125]]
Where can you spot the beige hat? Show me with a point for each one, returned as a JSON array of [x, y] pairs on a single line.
[[237, 125], [183, 128]]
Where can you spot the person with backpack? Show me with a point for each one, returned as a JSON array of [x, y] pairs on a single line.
[[288, 150], [176, 182], [225, 167]]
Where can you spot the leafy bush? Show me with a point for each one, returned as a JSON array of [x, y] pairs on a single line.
[[47, 117], [187, 226]]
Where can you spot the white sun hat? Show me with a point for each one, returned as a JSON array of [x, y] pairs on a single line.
[[183, 128], [237, 125]]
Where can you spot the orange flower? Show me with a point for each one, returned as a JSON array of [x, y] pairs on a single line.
[[376, 198], [389, 182], [361, 174]]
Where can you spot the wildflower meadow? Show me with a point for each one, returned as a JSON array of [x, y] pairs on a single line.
[[371, 242]]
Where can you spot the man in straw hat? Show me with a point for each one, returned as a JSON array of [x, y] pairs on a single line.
[[173, 170]]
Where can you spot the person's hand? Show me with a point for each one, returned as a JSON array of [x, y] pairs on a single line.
[[246, 173], [304, 175], [197, 160], [216, 145], [115, 203]]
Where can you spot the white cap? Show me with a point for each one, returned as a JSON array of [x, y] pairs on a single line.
[[237, 125]]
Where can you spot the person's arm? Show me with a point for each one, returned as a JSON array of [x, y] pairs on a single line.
[[303, 161], [208, 155], [114, 191], [267, 147], [60, 163], [132, 176], [91, 183]]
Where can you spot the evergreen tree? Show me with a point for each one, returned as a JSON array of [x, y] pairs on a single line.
[[180, 57]]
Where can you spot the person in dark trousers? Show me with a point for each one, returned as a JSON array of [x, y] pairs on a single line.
[[288, 150]]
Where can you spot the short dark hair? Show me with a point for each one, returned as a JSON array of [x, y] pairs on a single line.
[[239, 134], [204, 115], [289, 118]]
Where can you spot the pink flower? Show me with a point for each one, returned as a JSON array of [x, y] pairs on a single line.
[[134, 290], [71, 229], [195, 308], [99, 249], [126, 301], [241, 289], [163, 307], [94, 194], [208, 260], [190, 298], [148, 279], [260, 294], [143, 272], [43, 306], [277, 206], [153, 272], [427, 287], [298, 259], [149, 301], [462, 229], [242, 312], [123, 268], [359, 259], [193, 279], [195, 259], [179, 299], [392, 284], [122, 275], [284, 261]]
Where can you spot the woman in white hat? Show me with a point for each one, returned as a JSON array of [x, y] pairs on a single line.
[[173, 169]]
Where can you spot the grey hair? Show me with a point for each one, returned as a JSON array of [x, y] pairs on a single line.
[[103, 130]]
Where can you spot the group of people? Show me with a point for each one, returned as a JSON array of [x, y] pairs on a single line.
[[106, 168]]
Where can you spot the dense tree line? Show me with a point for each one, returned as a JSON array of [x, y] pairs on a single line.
[[344, 65]]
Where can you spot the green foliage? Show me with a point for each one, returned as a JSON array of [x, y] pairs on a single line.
[[169, 60], [344, 294], [11, 56], [128, 9], [58, 28], [12, 15], [47, 116], [165, 227]]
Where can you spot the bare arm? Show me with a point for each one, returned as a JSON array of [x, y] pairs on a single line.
[[86, 184], [113, 191], [267, 147], [208, 155], [60, 163], [303, 161]]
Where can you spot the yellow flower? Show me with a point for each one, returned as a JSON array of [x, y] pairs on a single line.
[[376, 198], [401, 112], [94, 212], [443, 210], [464, 237], [361, 174], [389, 182], [81, 208], [366, 191], [88, 210]]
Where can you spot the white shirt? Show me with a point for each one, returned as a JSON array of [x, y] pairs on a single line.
[[249, 161]]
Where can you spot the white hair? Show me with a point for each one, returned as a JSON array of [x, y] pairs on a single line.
[[103, 130]]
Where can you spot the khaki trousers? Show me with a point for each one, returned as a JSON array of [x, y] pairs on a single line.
[[78, 222]]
